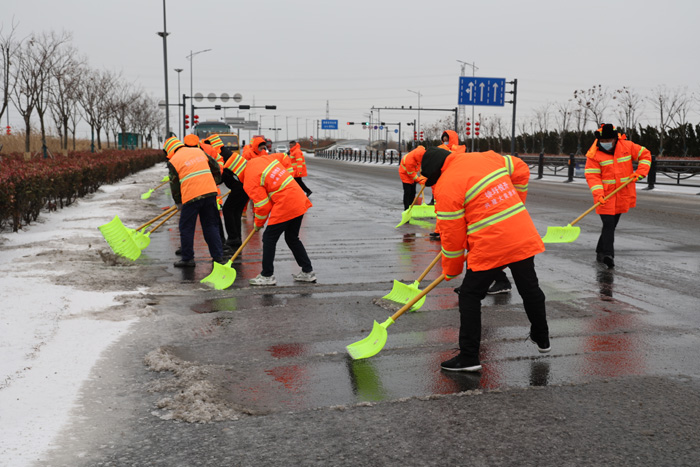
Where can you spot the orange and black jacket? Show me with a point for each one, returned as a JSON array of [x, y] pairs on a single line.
[[479, 202], [193, 175]]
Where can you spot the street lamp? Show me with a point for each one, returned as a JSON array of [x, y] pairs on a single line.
[[419, 96], [190, 57], [164, 35], [179, 122]]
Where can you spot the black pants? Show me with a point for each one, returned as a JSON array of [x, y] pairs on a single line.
[[409, 194], [473, 290], [272, 234], [208, 214], [233, 210], [303, 185], [606, 242]]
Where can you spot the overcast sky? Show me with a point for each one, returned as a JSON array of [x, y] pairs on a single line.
[[300, 54]]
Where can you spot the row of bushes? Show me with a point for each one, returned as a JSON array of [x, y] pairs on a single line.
[[28, 186]]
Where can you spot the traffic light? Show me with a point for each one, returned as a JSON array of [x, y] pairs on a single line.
[[217, 107], [365, 123], [187, 122], [351, 123], [476, 128], [244, 107]]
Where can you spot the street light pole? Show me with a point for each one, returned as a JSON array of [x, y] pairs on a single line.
[[419, 95], [179, 121], [190, 57], [164, 35]]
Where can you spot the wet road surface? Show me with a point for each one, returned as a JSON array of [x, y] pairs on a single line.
[[275, 357]]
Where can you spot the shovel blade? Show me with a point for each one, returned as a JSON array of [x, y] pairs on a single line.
[[142, 240], [222, 276], [119, 239], [403, 293], [423, 210], [372, 344], [566, 234], [405, 217], [147, 194]]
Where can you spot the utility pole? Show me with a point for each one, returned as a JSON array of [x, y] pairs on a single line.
[[474, 68]]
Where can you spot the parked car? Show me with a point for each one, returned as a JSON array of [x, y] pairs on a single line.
[[281, 148]]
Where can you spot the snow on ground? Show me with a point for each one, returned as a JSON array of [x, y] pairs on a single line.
[[57, 313]]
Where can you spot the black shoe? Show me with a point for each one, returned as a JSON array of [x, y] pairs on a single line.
[[185, 264], [609, 261], [499, 287], [434, 236], [542, 344], [228, 250], [431, 203], [461, 363], [457, 290], [178, 252], [219, 260], [308, 193]]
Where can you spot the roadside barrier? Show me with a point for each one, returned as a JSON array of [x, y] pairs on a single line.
[[675, 172]]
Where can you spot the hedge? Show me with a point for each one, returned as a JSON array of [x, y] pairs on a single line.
[[27, 187]]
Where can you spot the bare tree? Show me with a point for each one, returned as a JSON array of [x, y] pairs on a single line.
[[123, 99], [8, 48], [46, 55], [667, 103], [680, 119], [542, 120], [523, 127], [94, 99], [65, 93], [562, 117], [580, 118], [23, 94], [595, 100], [628, 106]]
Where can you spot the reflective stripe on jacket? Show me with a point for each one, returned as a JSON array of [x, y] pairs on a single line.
[[195, 174], [409, 167], [605, 172], [273, 190], [479, 201]]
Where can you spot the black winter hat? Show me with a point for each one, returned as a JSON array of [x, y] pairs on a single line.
[[431, 166], [607, 131]]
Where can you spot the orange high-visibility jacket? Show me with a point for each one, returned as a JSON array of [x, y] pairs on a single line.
[[453, 143], [195, 174], [479, 202], [298, 161], [409, 167], [212, 152], [605, 172], [252, 152], [273, 191]]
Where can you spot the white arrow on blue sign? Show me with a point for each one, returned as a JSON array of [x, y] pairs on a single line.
[[482, 91]]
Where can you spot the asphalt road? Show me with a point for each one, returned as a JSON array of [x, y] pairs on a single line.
[[260, 376]]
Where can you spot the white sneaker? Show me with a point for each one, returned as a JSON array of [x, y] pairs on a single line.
[[263, 280], [305, 276]]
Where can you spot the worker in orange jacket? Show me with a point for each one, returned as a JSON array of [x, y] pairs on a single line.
[[194, 179], [409, 172], [479, 201], [609, 163], [299, 165], [450, 141], [281, 203]]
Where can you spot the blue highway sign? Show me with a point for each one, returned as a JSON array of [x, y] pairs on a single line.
[[329, 124], [482, 91]]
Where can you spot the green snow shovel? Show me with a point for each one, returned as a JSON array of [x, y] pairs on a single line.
[[119, 239], [403, 293], [570, 233], [223, 275], [141, 239], [406, 215], [374, 343], [147, 195]]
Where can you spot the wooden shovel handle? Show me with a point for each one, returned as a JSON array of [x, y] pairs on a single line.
[[164, 221], [165, 213], [422, 294], [417, 196], [612, 193], [240, 248], [430, 266], [163, 183]]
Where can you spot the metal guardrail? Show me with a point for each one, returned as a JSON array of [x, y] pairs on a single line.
[[677, 172]]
